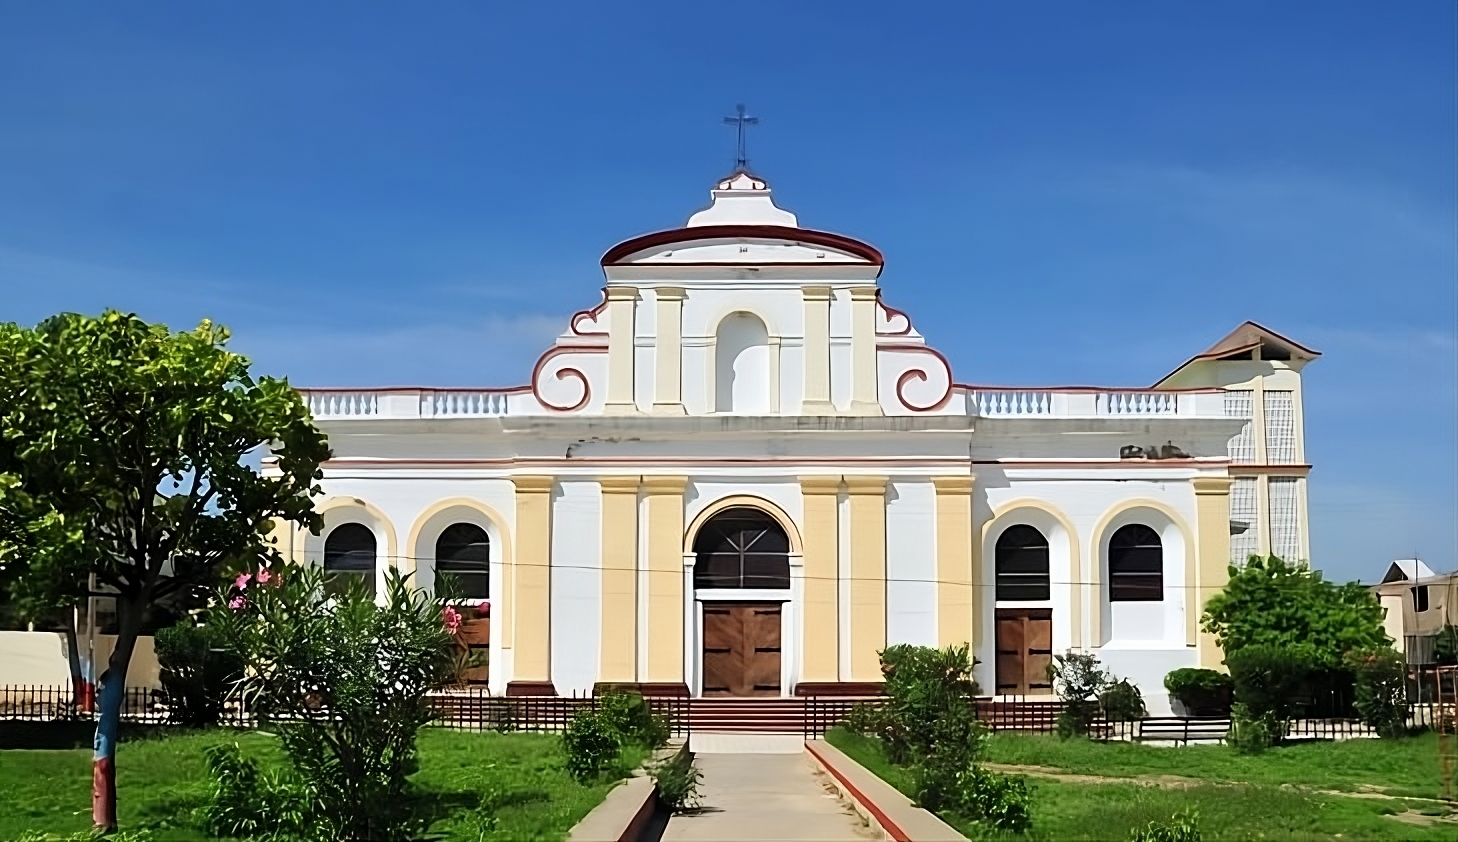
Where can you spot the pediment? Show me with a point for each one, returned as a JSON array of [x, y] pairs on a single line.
[[741, 244]]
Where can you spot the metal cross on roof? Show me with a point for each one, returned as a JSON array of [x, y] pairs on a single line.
[[740, 120]]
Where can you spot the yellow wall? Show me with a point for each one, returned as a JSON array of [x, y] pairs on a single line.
[[868, 575], [956, 601], [533, 579], [822, 574], [619, 653], [1212, 525], [665, 578]]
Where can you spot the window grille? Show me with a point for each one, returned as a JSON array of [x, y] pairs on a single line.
[[1239, 404], [1280, 428], [1136, 565], [1285, 536], [1243, 510], [463, 553], [1022, 564]]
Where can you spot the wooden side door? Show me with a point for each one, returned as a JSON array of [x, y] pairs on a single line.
[[723, 650], [1024, 645], [762, 650], [741, 649]]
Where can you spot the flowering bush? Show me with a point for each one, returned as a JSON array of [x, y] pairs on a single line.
[[343, 681], [1078, 678]]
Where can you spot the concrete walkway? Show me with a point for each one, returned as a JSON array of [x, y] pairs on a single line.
[[766, 798]]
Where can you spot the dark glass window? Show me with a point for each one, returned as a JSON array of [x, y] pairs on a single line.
[[1136, 565], [1022, 564], [349, 551], [1420, 598], [742, 548], [463, 553]]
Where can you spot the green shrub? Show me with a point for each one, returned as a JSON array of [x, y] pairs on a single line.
[[1381, 689], [869, 719], [1122, 702], [1203, 692], [196, 671], [1267, 679], [1078, 678], [630, 717], [1253, 733], [1445, 646], [249, 804], [929, 708], [1182, 827], [998, 801], [677, 779], [592, 746]]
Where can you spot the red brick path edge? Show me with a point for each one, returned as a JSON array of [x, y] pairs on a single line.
[[913, 823]]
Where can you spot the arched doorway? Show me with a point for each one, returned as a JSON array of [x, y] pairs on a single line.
[[742, 581]]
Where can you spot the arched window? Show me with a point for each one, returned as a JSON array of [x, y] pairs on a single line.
[[1022, 564], [463, 553], [742, 366], [1136, 565], [742, 548], [349, 551]]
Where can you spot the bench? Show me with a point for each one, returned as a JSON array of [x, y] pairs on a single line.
[[1182, 729]]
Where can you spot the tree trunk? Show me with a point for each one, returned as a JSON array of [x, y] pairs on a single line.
[[81, 691], [113, 693]]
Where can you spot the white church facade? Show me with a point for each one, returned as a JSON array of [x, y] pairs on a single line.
[[743, 474]]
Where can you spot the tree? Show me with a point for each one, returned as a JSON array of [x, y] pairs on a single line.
[[1288, 605], [124, 452]]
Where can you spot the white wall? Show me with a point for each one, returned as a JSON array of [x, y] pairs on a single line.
[[576, 585], [911, 563]]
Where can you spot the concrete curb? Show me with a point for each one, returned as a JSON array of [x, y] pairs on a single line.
[[625, 812], [881, 804]]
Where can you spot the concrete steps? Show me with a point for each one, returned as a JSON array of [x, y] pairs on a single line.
[[763, 715]]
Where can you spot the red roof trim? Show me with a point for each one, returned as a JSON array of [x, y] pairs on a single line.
[[865, 251]]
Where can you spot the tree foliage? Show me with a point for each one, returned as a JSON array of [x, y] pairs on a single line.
[[1273, 603], [125, 455]]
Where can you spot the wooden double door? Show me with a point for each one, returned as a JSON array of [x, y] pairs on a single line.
[[1024, 651], [742, 649]]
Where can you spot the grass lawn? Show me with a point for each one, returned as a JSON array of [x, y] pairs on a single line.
[[1268, 797], [477, 786]]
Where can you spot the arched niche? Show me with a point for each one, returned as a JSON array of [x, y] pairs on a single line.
[[742, 365]]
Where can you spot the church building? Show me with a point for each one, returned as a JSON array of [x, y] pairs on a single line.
[[744, 473]]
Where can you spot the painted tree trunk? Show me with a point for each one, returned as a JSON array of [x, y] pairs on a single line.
[[83, 695], [113, 692]]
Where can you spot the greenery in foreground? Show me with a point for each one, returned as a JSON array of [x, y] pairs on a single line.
[[472, 786], [1238, 797]]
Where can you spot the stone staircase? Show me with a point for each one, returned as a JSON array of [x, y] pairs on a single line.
[[765, 715]]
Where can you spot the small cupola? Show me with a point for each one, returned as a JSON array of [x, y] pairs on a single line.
[[742, 199]]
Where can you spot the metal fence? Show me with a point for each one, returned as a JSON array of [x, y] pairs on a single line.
[[469, 709]]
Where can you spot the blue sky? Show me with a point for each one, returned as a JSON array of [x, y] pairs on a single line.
[[375, 194]]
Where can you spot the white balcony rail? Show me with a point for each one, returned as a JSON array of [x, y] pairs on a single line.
[[1095, 403], [335, 404]]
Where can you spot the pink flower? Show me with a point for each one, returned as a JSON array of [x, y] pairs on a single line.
[[242, 581], [263, 577], [236, 603], [452, 619]]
